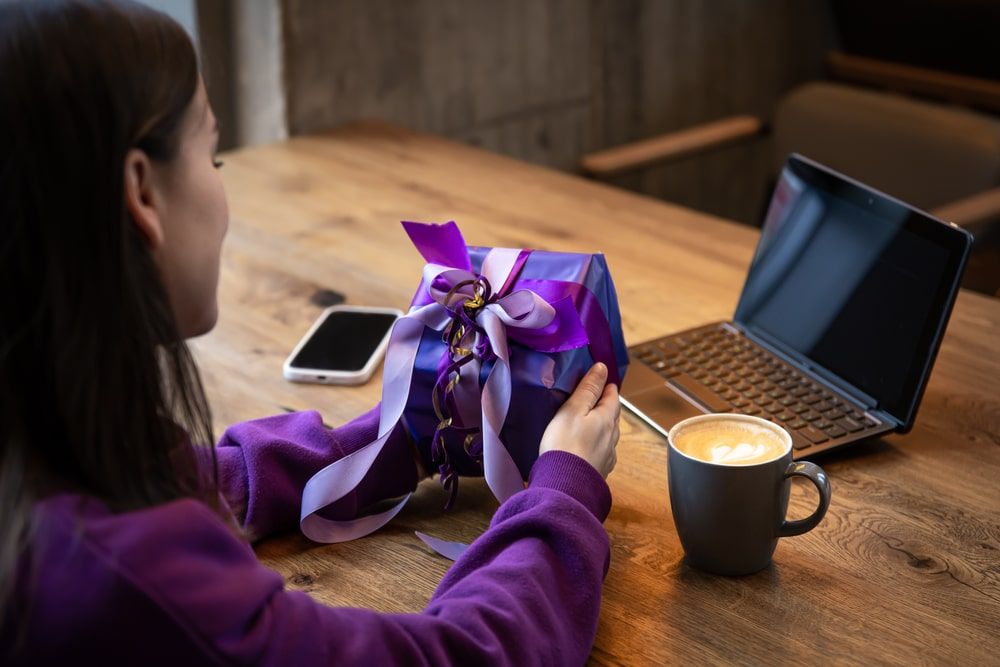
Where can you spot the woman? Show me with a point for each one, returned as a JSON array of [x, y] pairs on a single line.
[[123, 542]]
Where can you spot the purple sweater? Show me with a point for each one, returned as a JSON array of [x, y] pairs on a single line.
[[173, 585]]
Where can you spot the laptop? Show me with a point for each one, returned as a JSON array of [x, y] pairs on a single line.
[[836, 330]]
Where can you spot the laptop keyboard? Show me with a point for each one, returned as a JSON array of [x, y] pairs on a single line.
[[729, 373]]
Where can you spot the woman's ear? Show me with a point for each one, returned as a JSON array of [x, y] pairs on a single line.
[[141, 198]]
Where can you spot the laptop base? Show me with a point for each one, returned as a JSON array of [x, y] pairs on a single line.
[[715, 368]]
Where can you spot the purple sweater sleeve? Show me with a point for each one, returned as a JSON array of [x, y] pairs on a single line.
[[264, 464], [526, 592]]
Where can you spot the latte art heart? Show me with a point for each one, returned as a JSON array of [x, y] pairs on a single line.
[[741, 452]]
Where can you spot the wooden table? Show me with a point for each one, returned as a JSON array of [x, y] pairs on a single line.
[[906, 566]]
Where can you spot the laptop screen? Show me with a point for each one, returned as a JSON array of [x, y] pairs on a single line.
[[854, 282]]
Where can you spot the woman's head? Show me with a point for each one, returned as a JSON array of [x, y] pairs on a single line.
[[111, 222], [179, 207], [108, 119]]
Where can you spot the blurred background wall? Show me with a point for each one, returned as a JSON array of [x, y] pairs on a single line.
[[902, 94], [540, 80]]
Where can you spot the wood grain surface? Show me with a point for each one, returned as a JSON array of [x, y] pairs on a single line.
[[904, 569]]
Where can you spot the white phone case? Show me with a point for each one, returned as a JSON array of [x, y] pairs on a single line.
[[327, 376]]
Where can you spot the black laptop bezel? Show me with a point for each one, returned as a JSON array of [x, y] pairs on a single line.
[[953, 239]]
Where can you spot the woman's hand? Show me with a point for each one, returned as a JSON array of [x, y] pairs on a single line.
[[587, 423]]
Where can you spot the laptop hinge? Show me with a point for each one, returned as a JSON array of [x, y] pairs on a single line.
[[884, 417], [818, 372]]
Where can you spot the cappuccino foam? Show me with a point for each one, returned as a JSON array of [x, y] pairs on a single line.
[[730, 442]]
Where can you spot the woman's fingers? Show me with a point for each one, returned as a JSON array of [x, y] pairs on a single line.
[[609, 399], [609, 407], [591, 388], [587, 424]]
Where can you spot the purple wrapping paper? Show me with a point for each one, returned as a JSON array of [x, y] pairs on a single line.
[[540, 381], [494, 342]]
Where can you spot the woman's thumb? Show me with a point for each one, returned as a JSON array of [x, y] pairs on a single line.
[[589, 391]]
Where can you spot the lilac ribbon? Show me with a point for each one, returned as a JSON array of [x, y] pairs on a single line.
[[462, 304], [450, 550]]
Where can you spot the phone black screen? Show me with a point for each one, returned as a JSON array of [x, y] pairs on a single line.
[[344, 341]]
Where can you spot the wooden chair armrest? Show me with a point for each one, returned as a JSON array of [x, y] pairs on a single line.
[[976, 210], [965, 90], [670, 146]]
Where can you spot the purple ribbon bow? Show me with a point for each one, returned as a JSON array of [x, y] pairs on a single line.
[[476, 320]]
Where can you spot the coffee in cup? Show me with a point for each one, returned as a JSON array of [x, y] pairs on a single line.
[[729, 485], [730, 442]]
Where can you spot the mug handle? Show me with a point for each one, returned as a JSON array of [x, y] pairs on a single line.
[[814, 474]]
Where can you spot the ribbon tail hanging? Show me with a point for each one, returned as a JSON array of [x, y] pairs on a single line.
[[341, 477], [502, 474]]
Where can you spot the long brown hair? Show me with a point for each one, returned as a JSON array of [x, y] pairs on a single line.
[[97, 388]]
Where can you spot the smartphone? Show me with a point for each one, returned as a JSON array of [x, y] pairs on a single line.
[[343, 346]]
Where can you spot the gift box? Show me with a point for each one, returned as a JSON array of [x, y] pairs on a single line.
[[494, 342]]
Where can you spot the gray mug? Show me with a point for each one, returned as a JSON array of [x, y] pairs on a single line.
[[729, 517]]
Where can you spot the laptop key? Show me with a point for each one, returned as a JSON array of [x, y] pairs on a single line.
[[833, 415], [813, 434], [797, 424], [739, 402], [800, 408], [750, 410], [785, 415], [699, 392], [798, 442], [811, 415], [823, 424], [788, 400], [849, 425], [835, 431], [668, 347]]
